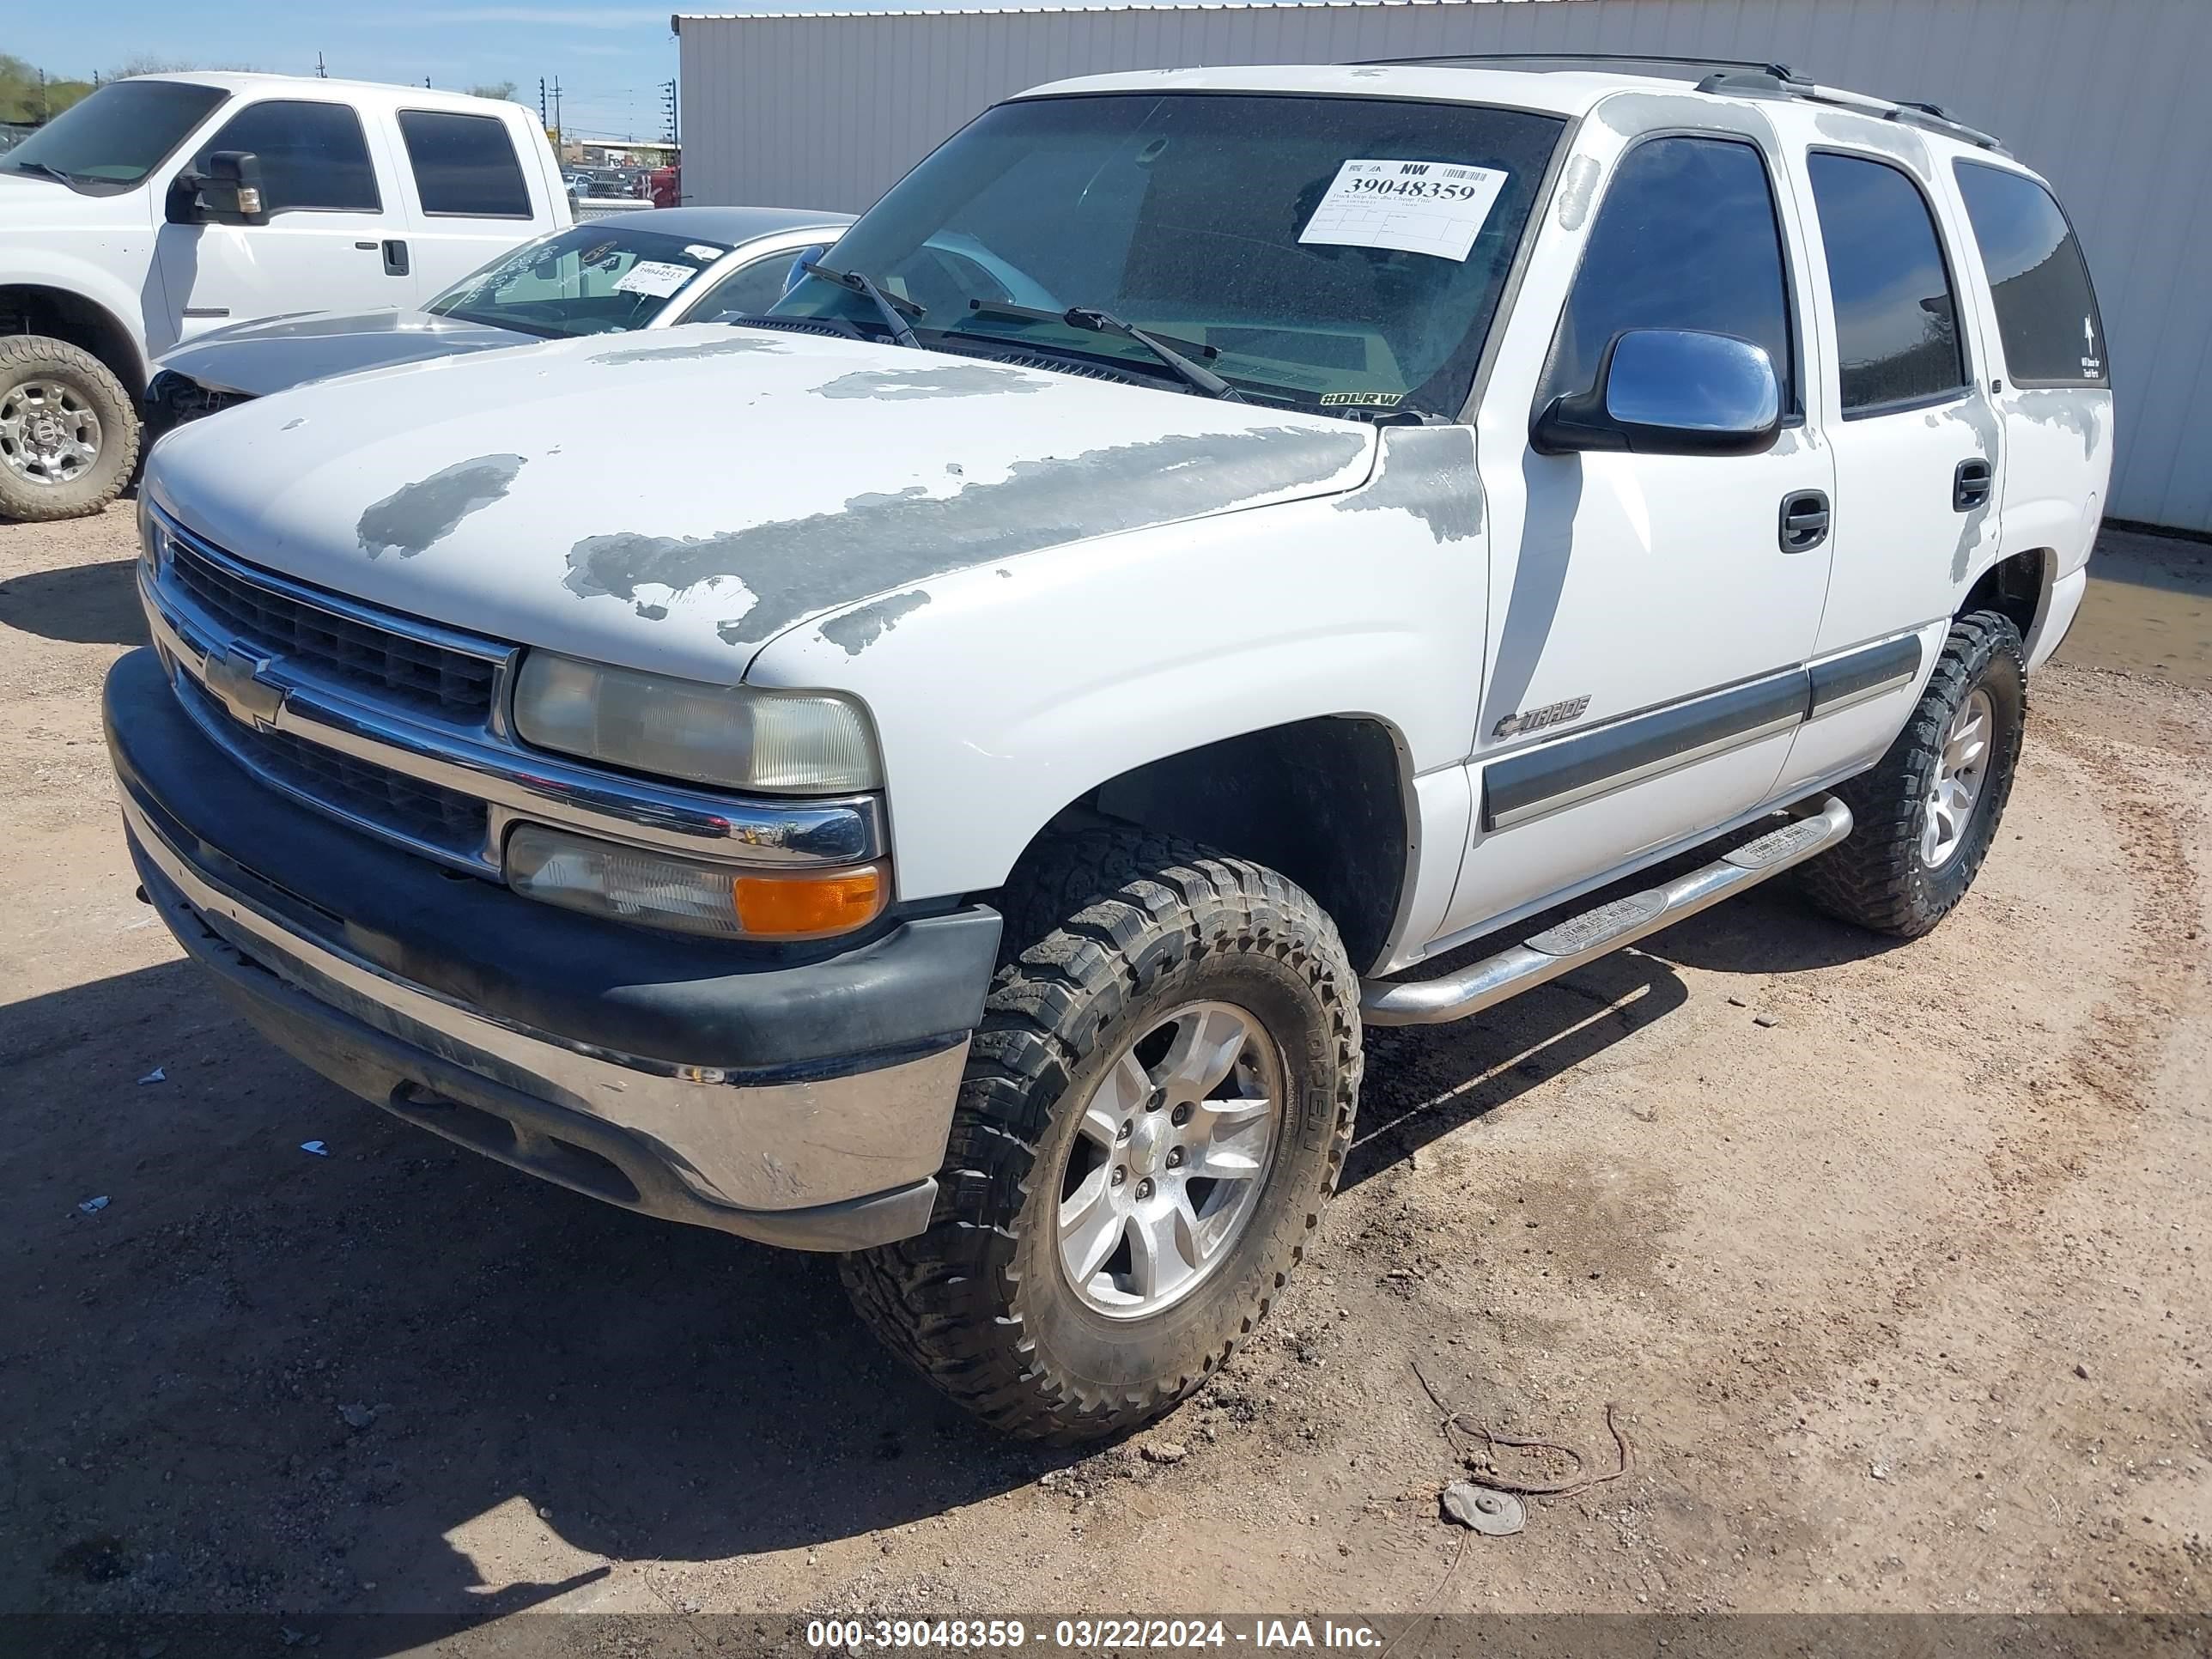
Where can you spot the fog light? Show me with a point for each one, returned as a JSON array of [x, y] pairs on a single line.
[[659, 890]]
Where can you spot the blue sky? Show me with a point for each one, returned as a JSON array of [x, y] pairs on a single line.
[[610, 59]]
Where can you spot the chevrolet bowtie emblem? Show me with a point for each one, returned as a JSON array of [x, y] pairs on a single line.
[[234, 677]]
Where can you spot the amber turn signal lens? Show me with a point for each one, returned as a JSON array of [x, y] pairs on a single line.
[[809, 906]]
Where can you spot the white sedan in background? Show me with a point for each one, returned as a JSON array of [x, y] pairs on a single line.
[[647, 269]]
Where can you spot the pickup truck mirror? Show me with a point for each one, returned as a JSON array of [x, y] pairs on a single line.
[[1669, 392], [228, 193]]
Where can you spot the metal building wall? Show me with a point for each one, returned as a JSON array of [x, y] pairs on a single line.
[[2103, 97]]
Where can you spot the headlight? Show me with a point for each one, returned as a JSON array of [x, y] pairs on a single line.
[[153, 539], [741, 737], [659, 890]]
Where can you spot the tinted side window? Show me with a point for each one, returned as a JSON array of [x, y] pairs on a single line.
[[2046, 310], [749, 290], [464, 164], [312, 155], [1897, 320], [1686, 237]]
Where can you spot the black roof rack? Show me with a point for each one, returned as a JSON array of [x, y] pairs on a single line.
[[1742, 76], [1568, 59]]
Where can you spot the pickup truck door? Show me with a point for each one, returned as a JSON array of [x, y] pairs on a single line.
[[470, 196], [1652, 614], [331, 206]]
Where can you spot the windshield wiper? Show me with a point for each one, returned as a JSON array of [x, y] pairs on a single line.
[[895, 311], [51, 172], [1198, 376]]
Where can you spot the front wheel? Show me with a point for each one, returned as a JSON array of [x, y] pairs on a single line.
[[68, 434], [1926, 814], [1156, 1109]]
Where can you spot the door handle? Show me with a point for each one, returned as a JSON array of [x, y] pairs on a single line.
[[1804, 520], [1970, 484], [395, 258]]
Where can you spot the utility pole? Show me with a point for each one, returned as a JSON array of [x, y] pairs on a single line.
[[541, 100], [557, 110], [45, 110], [668, 103], [321, 74]]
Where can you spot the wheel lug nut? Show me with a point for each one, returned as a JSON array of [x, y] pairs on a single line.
[[1174, 1158], [1122, 1134], [1145, 1188], [1120, 1175], [1182, 1113]]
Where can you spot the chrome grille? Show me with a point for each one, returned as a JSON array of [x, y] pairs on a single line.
[[415, 673], [397, 726], [413, 807]]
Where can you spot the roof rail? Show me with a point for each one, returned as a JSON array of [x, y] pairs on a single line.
[[1781, 71], [1742, 76]]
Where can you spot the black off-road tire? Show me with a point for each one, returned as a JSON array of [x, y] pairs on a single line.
[[34, 356], [1107, 932], [1877, 877]]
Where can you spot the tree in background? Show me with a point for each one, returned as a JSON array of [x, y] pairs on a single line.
[[496, 89], [26, 99]]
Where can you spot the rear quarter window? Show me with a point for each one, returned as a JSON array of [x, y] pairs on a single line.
[[464, 164], [2046, 310]]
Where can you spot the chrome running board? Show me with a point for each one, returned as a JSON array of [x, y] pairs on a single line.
[[1595, 933]]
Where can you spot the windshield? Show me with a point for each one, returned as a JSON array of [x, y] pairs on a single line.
[[118, 136], [1338, 253], [587, 279]]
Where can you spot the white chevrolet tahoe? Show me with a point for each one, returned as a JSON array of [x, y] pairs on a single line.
[[1205, 545], [165, 205]]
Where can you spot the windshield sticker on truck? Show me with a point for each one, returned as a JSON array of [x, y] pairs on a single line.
[[656, 278], [1436, 208], [1362, 400]]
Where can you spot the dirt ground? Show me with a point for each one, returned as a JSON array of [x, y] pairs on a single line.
[[1895, 1260]]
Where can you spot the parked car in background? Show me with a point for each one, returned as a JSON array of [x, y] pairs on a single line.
[[664, 185], [165, 205], [628, 270]]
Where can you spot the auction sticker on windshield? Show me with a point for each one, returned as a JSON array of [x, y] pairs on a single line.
[[1417, 207], [655, 277]]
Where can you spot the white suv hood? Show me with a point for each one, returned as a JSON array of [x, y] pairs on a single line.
[[673, 500]]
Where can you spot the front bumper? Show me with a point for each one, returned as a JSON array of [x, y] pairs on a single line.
[[803, 1103]]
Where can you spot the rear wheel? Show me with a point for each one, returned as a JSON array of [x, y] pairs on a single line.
[[68, 434], [1156, 1109], [1926, 815]]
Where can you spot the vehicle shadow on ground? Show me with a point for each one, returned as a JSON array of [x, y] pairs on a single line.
[[82, 605], [342, 1366], [278, 1379], [1424, 1082]]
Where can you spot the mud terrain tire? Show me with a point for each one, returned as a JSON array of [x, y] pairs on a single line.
[[1882, 876], [1109, 932]]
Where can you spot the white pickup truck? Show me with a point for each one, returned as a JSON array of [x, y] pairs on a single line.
[[1203, 547], [164, 205]]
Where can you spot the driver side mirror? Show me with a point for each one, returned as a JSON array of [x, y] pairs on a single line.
[[228, 193], [806, 257], [1669, 392]]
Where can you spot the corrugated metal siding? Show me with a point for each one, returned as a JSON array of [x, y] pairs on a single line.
[[2101, 96]]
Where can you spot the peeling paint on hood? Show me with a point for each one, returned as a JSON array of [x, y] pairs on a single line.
[[277, 353], [679, 509]]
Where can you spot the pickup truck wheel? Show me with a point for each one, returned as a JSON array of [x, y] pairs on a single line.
[[68, 434], [1157, 1106], [1926, 815]]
